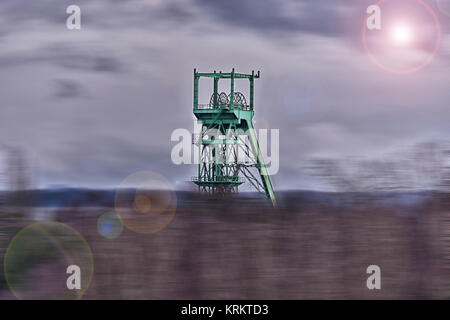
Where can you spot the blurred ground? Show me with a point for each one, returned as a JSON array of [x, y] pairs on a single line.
[[314, 246]]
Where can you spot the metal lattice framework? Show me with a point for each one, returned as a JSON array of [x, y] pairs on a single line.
[[229, 151]]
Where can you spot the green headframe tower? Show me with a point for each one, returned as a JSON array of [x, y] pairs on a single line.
[[227, 135]]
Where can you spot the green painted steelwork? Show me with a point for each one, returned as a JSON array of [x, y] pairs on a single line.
[[224, 121]]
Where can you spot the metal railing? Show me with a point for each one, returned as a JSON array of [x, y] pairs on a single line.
[[220, 179], [210, 106]]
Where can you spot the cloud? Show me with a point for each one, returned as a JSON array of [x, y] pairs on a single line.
[[318, 17], [69, 89], [95, 105]]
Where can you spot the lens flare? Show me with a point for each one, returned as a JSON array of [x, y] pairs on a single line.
[[110, 225], [403, 47], [402, 34], [146, 202], [37, 258]]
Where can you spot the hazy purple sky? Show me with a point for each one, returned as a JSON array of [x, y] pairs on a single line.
[[95, 105]]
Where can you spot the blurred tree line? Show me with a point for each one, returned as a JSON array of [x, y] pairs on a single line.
[[424, 166]]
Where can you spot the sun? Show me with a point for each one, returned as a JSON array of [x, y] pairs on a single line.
[[402, 34]]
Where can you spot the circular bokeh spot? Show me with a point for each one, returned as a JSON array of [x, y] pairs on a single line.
[[110, 225], [146, 202], [409, 37], [142, 203], [37, 258]]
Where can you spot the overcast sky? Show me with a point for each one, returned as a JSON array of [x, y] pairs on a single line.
[[92, 106]]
